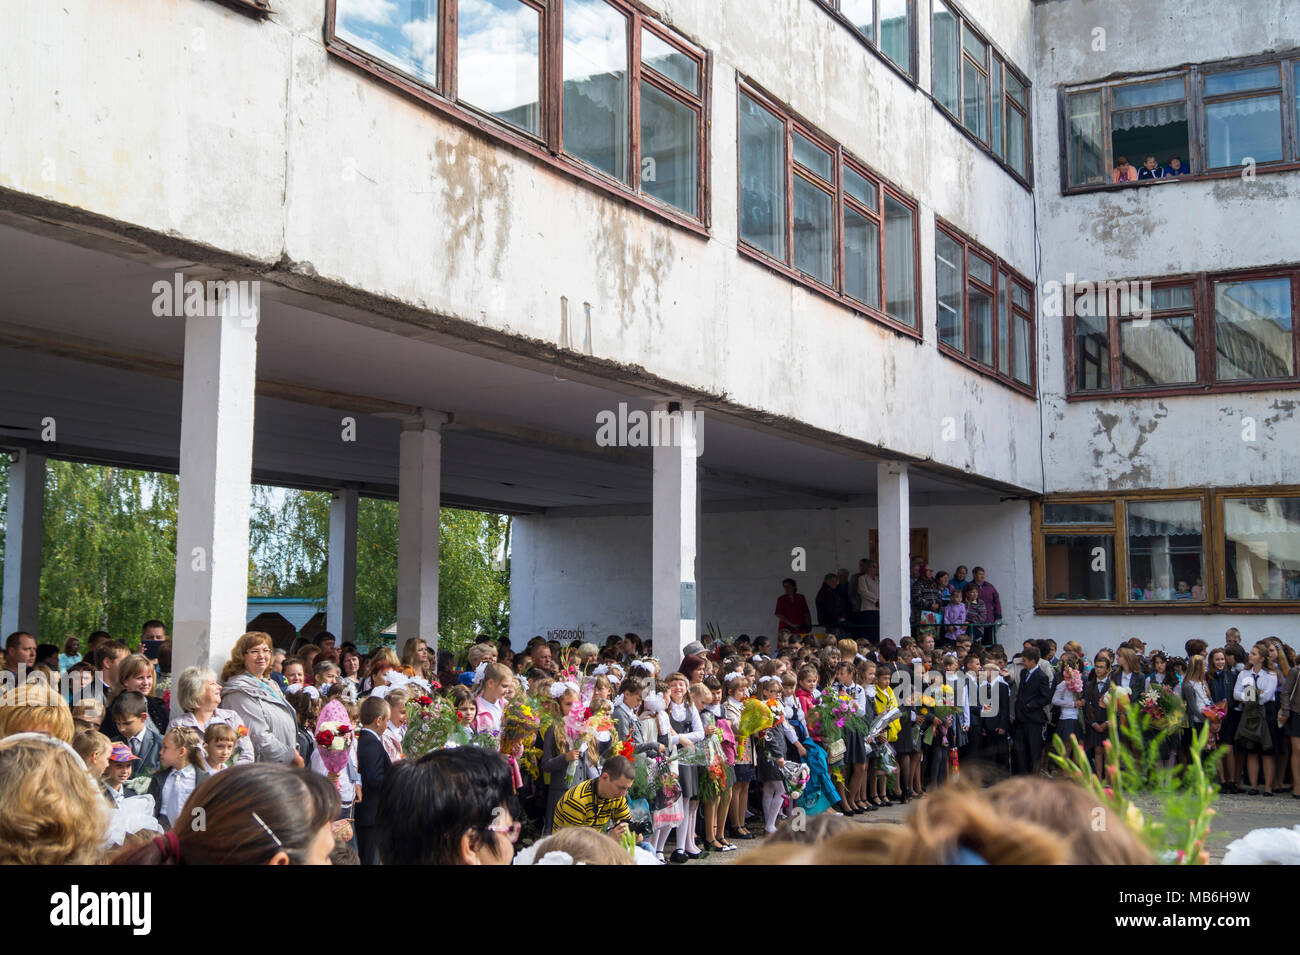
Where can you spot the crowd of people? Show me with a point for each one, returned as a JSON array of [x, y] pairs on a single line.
[[586, 752]]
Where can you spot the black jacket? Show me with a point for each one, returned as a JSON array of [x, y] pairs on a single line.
[[1033, 697], [373, 763]]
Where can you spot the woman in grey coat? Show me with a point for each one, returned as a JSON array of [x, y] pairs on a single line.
[[249, 691]]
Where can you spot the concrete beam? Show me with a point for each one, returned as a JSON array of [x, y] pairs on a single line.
[[418, 512], [892, 513], [673, 549], [340, 604]]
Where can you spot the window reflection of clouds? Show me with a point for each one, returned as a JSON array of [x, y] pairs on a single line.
[[498, 61], [407, 40]]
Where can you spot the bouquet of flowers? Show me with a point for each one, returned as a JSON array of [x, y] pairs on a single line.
[[795, 777], [334, 737], [583, 733], [434, 723], [940, 706], [1074, 683], [519, 724], [1122, 694], [755, 717], [1163, 707]]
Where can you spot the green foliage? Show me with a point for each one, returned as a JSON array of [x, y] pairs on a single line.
[[108, 557], [1185, 795]]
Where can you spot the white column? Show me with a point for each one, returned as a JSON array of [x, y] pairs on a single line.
[[894, 520], [24, 527], [418, 495], [340, 602], [673, 613], [210, 610]]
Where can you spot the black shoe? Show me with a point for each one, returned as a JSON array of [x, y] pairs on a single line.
[[694, 855], [1267, 792], [678, 857]]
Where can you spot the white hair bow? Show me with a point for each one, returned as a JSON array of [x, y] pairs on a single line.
[[478, 672], [734, 674], [600, 670], [303, 688], [643, 665], [559, 689]]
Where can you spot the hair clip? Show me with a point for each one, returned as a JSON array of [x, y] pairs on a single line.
[[274, 837]]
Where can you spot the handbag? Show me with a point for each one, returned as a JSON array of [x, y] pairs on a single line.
[[835, 751], [1252, 728]]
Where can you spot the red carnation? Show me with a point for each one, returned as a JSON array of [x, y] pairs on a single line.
[[424, 701], [324, 738], [344, 730]]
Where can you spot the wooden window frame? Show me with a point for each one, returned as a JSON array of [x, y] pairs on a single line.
[[1204, 330], [792, 122], [993, 53], [257, 9], [548, 146], [1000, 268], [1194, 76], [872, 43], [1213, 549]]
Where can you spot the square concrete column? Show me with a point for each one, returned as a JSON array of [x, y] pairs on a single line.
[[210, 610], [24, 528], [418, 497], [893, 516], [673, 609], [340, 602]]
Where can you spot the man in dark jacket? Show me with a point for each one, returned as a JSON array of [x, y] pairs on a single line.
[[832, 608], [1032, 697], [373, 763]]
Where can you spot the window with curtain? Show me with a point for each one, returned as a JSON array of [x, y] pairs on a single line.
[[1261, 548], [1165, 551]]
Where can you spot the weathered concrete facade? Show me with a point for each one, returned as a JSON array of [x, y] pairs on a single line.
[[414, 266]]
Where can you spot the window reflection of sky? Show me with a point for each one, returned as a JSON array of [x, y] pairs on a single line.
[[403, 33]]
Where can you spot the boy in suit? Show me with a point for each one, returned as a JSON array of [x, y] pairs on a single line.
[[373, 763], [1032, 697], [129, 714]]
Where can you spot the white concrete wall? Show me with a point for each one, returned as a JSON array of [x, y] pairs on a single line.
[[1176, 441], [192, 120], [593, 574]]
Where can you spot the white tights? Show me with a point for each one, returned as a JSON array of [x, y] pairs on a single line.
[[773, 798], [686, 828]]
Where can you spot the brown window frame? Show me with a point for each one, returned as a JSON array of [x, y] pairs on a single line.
[[840, 158], [1213, 549], [992, 53], [1002, 312], [1204, 330], [258, 9], [1195, 98], [548, 146], [872, 43]]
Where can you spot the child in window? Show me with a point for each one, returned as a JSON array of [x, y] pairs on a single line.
[[954, 616]]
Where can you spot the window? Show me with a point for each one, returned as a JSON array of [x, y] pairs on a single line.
[[1211, 117], [1221, 332], [984, 309], [592, 86], [1261, 548], [886, 26], [979, 88], [843, 231], [1148, 550]]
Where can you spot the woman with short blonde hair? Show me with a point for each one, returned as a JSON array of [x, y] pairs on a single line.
[[36, 708], [54, 813]]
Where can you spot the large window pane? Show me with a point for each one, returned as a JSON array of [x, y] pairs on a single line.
[[762, 178], [670, 150], [663, 57], [595, 85], [407, 40], [947, 57], [980, 306], [814, 231], [975, 115], [498, 68], [859, 13], [1159, 351], [1079, 512], [1165, 551], [861, 258], [950, 287], [1252, 329], [900, 262], [1261, 550], [1085, 139], [1242, 129], [997, 108], [1022, 331], [1091, 353], [1144, 94], [896, 32], [1016, 142], [1149, 119], [1079, 566]]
